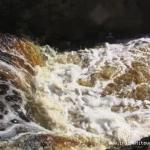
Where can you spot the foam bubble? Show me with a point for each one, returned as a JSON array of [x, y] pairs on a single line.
[[67, 81]]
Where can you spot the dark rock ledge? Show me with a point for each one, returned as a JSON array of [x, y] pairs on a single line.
[[143, 144]]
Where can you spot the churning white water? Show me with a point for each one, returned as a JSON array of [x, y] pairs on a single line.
[[72, 90]]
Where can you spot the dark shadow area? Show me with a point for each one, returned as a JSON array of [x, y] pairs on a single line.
[[74, 24], [62, 45]]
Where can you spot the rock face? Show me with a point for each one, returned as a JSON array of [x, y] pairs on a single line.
[[143, 144], [55, 21]]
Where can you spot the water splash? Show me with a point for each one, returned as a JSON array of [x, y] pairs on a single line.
[[88, 98], [102, 92], [17, 60]]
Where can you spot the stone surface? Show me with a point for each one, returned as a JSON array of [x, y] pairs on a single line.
[[45, 142], [63, 22]]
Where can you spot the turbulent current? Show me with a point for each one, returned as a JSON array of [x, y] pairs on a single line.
[[90, 99], [101, 93]]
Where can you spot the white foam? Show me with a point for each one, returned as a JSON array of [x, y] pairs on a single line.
[[83, 109]]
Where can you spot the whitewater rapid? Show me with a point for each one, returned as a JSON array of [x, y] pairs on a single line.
[[74, 90]]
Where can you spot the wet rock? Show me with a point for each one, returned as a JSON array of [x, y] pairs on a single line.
[[45, 142], [3, 89], [141, 92], [143, 144], [13, 98], [2, 106], [86, 82], [138, 75]]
